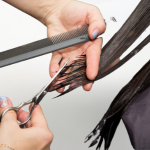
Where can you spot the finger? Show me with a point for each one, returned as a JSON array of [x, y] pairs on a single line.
[[96, 22], [87, 87], [22, 117], [60, 90], [93, 58], [37, 117], [54, 63], [10, 118]]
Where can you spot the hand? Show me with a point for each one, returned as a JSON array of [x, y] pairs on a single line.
[[70, 15], [36, 136], [63, 15]]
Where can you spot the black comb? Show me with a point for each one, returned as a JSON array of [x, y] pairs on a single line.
[[44, 46]]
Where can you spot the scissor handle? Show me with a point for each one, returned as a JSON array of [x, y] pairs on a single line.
[[29, 117], [16, 109], [36, 99]]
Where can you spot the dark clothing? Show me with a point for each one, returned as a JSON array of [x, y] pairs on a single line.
[[137, 121]]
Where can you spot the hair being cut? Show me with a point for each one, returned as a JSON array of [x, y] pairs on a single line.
[[135, 25]]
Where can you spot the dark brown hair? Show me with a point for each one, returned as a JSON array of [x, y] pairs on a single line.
[[135, 25]]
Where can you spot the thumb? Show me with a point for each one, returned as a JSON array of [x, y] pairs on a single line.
[[11, 115], [96, 22]]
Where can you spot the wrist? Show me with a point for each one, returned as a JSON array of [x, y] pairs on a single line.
[[38, 9], [51, 8]]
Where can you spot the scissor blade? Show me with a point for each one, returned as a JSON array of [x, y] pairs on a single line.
[[58, 72], [44, 90]]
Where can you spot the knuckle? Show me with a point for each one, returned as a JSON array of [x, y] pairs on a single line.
[[47, 136], [54, 54], [95, 8], [44, 137], [103, 26], [50, 137]]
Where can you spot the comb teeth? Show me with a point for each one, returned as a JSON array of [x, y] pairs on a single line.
[[69, 34]]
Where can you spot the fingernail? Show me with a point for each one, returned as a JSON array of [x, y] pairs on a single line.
[[3, 102], [95, 33]]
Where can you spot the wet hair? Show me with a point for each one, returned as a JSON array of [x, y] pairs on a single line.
[[108, 124], [135, 25]]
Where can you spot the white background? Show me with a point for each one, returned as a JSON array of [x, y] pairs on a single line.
[[73, 116]]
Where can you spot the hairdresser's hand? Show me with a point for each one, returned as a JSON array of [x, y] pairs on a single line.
[[71, 15], [36, 137], [63, 15]]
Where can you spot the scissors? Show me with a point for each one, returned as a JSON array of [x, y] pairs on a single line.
[[35, 100]]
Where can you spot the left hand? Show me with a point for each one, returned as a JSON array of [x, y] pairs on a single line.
[[63, 15], [70, 15]]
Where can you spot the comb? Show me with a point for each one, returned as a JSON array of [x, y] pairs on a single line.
[[44, 46]]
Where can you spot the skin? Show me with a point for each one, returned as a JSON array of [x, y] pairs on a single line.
[[64, 15], [58, 16], [64, 22], [36, 136]]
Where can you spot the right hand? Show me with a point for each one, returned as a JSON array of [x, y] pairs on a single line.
[[36, 136]]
